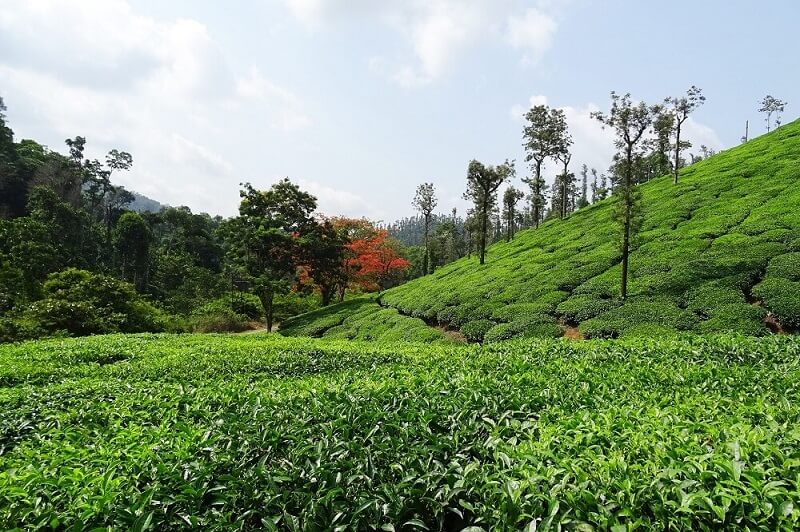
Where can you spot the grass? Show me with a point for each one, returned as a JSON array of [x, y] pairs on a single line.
[[731, 223], [215, 431]]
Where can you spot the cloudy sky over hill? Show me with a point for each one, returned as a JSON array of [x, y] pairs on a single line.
[[359, 101]]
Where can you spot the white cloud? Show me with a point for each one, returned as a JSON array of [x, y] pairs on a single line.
[[436, 33], [285, 107], [532, 32], [333, 200], [162, 90]]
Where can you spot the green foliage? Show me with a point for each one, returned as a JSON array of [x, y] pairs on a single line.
[[264, 432], [78, 302], [363, 319], [636, 312], [786, 266], [474, 331], [241, 303], [781, 297]]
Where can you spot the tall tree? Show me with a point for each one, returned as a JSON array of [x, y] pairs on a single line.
[[565, 181], [681, 108], [510, 199], [425, 202], [663, 126], [583, 201], [322, 252], [263, 239], [482, 184], [770, 106], [132, 239], [543, 136], [630, 121]]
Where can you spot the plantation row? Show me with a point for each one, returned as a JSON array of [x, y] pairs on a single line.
[[137, 432], [718, 252]]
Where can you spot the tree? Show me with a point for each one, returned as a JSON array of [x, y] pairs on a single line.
[[770, 106], [322, 251], [583, 201], [565, 181], [681, 108], [510, 199], [263, 238], [663, 125], [377, 263], [482, 184], [13, 188], [543, 136], [132, 239], [425, 202], [629, 121]]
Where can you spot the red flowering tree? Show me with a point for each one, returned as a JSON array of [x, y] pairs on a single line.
[[372, 259]]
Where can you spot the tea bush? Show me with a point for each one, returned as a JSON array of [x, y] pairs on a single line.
[[265, 432]]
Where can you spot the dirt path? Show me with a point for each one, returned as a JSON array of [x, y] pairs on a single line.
[[572, 333]]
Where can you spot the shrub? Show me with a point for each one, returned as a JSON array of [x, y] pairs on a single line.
[[241, 303], [474, 331], [79, 302], [786, 266], [582, 308], [782, 298], [736, 317], [642, 311], [220, 321]]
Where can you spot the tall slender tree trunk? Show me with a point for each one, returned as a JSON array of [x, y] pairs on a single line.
[[267, 299], [427, 253], [677, 149], [626, 233], [484, 217], [537, 192]]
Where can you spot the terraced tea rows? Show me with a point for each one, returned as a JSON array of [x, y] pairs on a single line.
[[718, 252]]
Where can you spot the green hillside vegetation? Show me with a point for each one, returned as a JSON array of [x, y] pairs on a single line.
[[211, 431], [717, 252], [360, 319]]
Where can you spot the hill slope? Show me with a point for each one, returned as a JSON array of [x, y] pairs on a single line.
[[720, 251]]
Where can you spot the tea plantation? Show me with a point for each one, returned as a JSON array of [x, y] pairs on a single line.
[[238, 432], [718, 252]]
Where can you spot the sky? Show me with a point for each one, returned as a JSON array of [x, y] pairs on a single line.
[[359, 101]]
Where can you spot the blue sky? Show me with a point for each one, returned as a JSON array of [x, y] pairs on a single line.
[[359, 100]]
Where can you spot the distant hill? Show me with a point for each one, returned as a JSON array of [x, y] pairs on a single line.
[[142, 203], [720, 251]]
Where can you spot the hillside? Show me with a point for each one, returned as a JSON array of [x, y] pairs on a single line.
[[216, 432], [718, 252]]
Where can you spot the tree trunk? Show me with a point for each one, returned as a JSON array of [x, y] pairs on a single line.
[[677, 150], [484, 216], [626, 233], [536, 194], [342, 289], [425, 260], [267, 303]]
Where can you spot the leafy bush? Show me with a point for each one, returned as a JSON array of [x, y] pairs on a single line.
[[781, 297], [786, 266], [79, 302], [219, 321], [241, 303], [582, 308], [474, 331]]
